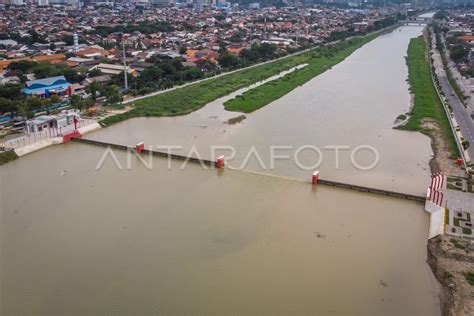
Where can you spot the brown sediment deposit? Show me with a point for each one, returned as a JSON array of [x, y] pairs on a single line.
[[449, 264], [235, 120]]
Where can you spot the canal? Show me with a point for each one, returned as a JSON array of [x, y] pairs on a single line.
[[79, 239]]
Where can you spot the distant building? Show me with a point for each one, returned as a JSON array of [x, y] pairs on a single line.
[[254, 5], [112, 69], [198, 4], [48, 86], [160, 3], [103, 79]]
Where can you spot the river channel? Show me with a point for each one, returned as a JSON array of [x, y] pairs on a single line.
[[78, 239]]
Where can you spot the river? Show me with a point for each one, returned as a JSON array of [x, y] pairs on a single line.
[[76, 240], [353, 104]]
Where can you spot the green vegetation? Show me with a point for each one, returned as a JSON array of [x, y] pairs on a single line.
[[466, 231], [401, 117], [457, 244], [469, 277], [318, 61], [454, 84], [7, 156], [45, 70], [190, 98], [456, 55], [427, 104], [142, 27]]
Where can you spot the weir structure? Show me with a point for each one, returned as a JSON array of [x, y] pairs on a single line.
[[219, 163]]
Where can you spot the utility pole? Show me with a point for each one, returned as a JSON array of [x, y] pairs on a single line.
[[124, 63]]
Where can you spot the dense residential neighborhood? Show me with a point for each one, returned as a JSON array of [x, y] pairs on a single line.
[[87, 49], [231, 157]]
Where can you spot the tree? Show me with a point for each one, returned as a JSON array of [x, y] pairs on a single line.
[[112, 94], [94, 73], [24, 111], [192, 73], [72, 75], [150, 74], [23, 65], [75, 99], [34, 103], [36, 38], [93, 88], [55, 99], [11, 91], [227, 60], [6, 105], [459, 53]]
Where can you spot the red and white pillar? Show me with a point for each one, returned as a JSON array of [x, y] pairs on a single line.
[[220, 162], [315, 178], [139, 147]]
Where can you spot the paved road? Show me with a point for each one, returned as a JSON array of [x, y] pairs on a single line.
[[219, 75], [461, 81], [233, 71], [461, 115]]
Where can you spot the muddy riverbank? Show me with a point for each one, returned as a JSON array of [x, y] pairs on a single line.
[[449, 261]]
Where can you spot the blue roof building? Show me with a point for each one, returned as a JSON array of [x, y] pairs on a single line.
[[48, 86]]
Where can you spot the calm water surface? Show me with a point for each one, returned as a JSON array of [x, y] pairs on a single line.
[[193, 242], [353, 104], [74, 239]]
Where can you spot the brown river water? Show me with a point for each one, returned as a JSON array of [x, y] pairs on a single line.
[[77, 240]]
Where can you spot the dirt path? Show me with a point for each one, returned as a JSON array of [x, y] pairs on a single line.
[[441, 148]]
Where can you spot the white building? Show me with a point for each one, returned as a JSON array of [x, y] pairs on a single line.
[[59, 123]]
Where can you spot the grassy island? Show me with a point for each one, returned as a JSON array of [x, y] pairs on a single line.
[[319, 60], [190, 98]]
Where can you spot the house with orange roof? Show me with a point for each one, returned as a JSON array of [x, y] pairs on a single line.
[[467, 39], [190, 53], [234, 50], [52, 59], [92, 52]]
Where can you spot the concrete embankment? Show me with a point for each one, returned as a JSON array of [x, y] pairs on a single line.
[[43, 143], [436, 219]]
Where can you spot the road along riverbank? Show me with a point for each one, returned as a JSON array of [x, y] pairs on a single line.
[[427, 114]]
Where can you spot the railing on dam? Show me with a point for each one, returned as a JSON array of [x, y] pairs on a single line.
[[146, 151], [373, 190], [214, 164]]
